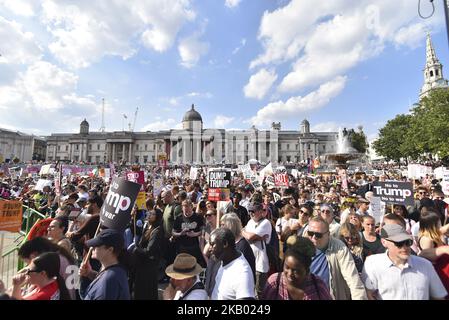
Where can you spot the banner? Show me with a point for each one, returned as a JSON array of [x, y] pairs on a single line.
[[281, 180], [295, 173], [267, 171], [219, 183], [394, 192], [254, 180], [270, 181], [116, 210], [10, 215]]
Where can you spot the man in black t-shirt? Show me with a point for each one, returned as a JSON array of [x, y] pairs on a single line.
[[186, 231]]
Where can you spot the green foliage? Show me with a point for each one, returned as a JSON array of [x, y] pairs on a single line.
[[424, 131], [358, 140]]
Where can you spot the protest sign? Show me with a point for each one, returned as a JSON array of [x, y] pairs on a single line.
[[445, 182], [158, 185], [269, 181], [193, 173], [45, 169], [295, 173], [254, 180], [267, 171], [394, 192], [138, 177], [10, 215], [375, 209], [41, 184], [219, 183], [281, 180], [116, 210]]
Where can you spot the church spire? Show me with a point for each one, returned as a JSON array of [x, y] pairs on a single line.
[[431, 57], [433, 71]]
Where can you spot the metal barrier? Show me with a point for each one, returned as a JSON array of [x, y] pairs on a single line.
[[9, 261]]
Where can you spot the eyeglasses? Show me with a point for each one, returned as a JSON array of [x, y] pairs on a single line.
[[28, 271], [317, 235], [208, 215], [304, 212], [350, 238], [325, 211], [400, 244]]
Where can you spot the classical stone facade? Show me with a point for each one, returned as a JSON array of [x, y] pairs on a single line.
[[25, 147], [192, 145]]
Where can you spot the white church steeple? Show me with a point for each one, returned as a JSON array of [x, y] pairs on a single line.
[[433, 71]]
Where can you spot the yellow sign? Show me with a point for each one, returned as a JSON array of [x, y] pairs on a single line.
[[141, 200], [10, 215]]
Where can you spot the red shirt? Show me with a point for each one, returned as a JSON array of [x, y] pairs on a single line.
[[49, 292]]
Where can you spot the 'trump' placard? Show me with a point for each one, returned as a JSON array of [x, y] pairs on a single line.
[[219, 183], [116, 210], [394, 192]]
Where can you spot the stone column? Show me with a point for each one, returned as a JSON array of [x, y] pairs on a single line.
[[113, 152], [301, 151], [184, 151], [130, 147], [54, 152]]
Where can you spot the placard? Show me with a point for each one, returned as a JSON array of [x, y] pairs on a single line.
[[116, 210], [281, 180], [394, 192], [10, 215]]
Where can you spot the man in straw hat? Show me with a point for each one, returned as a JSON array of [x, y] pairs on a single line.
[[184, 283]]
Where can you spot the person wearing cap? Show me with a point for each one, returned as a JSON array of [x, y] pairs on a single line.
[[111, 283], [363, 206], [184, 281], [398, 275], [258, 233]]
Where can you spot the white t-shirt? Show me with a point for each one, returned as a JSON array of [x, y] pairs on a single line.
[[197, 294], [261, 228], [228, 286], [282, 223]]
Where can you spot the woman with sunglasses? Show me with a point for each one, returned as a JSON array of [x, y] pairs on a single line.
[[211, 225], [351, 237], [43, 274], [296, 282], [432, 242]]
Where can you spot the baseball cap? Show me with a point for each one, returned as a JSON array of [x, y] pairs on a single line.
[[394, 232], [109, 238]]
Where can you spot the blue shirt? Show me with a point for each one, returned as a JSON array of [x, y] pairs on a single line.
[[320, 267], [110, 284]]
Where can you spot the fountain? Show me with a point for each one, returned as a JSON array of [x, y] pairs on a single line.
[[344, 152]]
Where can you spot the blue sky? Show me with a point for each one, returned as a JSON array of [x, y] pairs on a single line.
[[336, 63]]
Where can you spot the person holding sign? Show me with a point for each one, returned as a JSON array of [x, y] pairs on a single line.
[[111, 283]]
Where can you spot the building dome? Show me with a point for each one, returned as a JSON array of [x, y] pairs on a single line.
[[84, 127], [192, 115], [84, 123], [305, 126], [305, 122]]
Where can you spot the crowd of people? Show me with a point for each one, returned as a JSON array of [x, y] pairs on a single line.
[[316, 239]]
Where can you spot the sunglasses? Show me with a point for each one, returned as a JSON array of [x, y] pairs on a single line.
[[28, 271], [350, 238], [400, 244], [325, 211], [317, 235], [208, 215], [304, 212]]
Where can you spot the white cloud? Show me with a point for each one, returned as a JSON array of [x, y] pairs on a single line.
[[206, 95], [294, 106], [260, 83], [46, 97], [191, 49], [162, 125], [242, 44], [221, 121], [232, 3], [20, 7], [86, 31], [17, 46], [411, 36], [326, 39]]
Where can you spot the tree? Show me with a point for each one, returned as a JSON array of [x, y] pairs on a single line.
[[359, 140], [393, 142], [431, 123]]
